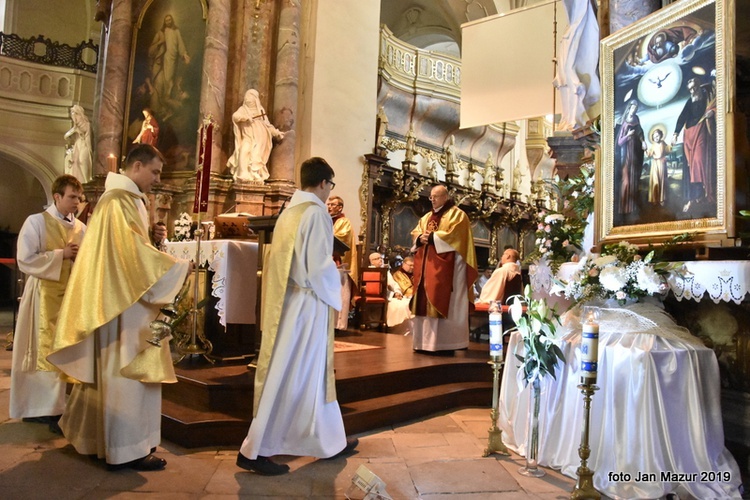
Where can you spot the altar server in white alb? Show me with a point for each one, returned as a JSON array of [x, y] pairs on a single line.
[[47, 247], [295, 407], [120, 280]]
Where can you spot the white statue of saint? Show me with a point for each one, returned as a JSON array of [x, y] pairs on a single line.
[[577, 77], [490, 172], [78, 156], [253, 140], [517, 177], [450, 157]]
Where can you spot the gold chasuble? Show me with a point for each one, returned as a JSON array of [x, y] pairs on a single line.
[[51, 293], [129, 266], [275, 283], [433, 271]]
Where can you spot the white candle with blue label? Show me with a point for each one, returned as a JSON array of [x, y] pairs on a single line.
[[496, 331], [589, 345]]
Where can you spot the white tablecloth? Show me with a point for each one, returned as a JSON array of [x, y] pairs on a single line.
[[721, 280], [235, 266], [658, 410]]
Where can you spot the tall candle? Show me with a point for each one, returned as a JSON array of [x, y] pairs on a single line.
[[496, 332], [112, 163], [589, 345]]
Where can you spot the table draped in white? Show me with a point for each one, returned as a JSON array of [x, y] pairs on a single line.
[[658, 409]]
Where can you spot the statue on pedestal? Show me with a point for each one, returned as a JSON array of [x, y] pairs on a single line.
[[490, 172], [78, 156], [450, 159], [411, 144], [253, 140], [382, 127]]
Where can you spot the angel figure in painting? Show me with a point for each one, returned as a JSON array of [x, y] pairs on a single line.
[[253, 140], [149, 133], [78, 156]]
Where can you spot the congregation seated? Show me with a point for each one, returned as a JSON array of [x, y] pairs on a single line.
[[402, 287]]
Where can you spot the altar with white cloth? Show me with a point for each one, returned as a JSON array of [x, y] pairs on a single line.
[[657, 412], [233, 266]]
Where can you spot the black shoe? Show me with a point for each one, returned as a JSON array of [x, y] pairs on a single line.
[[351, 445], [147, 463], [261, 465], [54, 428], [48, 419]]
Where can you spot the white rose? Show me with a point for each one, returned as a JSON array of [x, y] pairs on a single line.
[[648, 280], [613, 278]]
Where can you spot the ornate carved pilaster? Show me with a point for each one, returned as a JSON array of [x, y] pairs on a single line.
[[281, 162], [115, 83], [214, 79]]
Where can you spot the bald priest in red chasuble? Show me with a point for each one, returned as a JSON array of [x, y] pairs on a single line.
[[445, 267]]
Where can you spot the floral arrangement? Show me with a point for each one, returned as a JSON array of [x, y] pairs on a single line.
[[577, 192], [559, 235], [538, 329], [558, 238], [182, 227], [619, 273]]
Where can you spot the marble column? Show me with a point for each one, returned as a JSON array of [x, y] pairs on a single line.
[[281, 162], [115, 83], [625, 12], [214, 78]]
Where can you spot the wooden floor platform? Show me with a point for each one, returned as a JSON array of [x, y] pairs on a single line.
[[211, 405]]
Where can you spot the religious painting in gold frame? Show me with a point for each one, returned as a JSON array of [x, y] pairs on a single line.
[[166, 64], [666, 140]]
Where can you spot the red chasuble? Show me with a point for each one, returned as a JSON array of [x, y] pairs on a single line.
[[433, 271]]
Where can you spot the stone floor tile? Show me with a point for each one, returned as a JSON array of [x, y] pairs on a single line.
[[380, 447], [439, 424], [462, 476]]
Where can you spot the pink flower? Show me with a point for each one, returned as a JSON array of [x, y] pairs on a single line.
[[594, 271], [547, 228], [540, 227], [566, 243], [548, 243]]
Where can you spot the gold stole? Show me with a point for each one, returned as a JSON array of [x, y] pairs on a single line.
[[275, 281], [51, 292]]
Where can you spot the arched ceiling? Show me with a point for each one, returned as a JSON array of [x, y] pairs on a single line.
[[433, 24]]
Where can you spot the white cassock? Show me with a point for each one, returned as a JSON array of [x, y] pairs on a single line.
[[35, 393], [398, 314], [293, 417], [494, 289], [443, 334]]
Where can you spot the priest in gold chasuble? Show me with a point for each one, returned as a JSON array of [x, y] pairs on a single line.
[[117, 286], [445, 267]]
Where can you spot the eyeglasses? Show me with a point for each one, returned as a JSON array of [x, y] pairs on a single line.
[[333, 184]]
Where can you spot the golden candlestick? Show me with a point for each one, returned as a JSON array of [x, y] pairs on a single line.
[[585, 485], [495, 440]]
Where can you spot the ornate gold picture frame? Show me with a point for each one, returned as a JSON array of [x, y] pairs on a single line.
[[667, 143]]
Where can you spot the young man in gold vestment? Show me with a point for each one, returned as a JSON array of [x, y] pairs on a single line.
[[47, 246], [295, 410]]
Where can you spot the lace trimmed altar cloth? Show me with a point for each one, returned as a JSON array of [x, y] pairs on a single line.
[[657, 412], [235, 266], [721, 280]]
